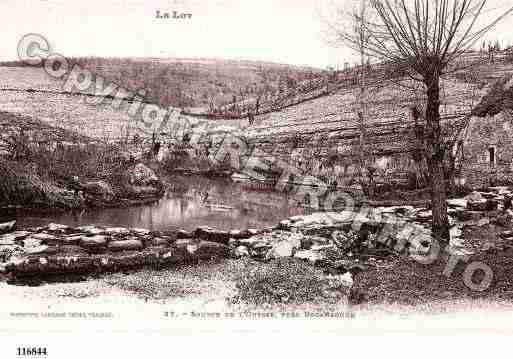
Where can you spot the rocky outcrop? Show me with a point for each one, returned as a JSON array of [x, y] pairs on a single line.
[[58, 249]]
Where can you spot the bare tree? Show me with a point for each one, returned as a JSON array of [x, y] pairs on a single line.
[[424, 38]]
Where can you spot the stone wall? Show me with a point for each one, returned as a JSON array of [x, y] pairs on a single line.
[[483, 136]]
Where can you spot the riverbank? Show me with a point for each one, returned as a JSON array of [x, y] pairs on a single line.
[[361, 258]]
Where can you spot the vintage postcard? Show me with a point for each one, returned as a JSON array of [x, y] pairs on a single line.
[[183, 167]]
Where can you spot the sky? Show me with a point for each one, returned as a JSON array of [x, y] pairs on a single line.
[[283, 31]]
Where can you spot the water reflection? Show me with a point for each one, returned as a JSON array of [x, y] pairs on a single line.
[[190, 202]]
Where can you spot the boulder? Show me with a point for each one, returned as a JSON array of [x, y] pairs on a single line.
[[212, 235], [140, 231], [483, 206], [206, 250], [126, 245], [43, 237], [41, 250], [505, 219], [59, 228], [94, 244], [343, 241], [281, 250], [116, 231], [7, 227], [240, 252], [32, 242], [311, 256], [142, 191], [72, 240], [285, 247], [9, 251], [92, 230], [478, 223], [100, 189], [238, 234], [14, 236], [159, 241], [457, 203], [474, 197], [308, 241]]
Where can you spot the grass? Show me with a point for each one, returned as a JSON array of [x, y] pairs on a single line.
[[21, 185], [408, 282], [282, 281], [206, 279]]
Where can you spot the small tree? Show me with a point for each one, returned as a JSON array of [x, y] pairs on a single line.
[[424, 38]]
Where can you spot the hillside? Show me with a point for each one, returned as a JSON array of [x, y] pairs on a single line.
[[201, 86], [323, 133], [316, 129]]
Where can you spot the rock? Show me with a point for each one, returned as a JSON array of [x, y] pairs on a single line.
[[99, 189], [182, 234], [211, 250], [506, 234], [479, 223], [505, 219], [70, 240], [474, 197], [238, 234], [13, 237], [126, 245], [140, 231], [343, 241], [469, 215], [285, 247], [457, 203], [240, 252], [161, 242], [7, 227], [483, 206], [95, 243], [7, 252], [92, 230], [116, 231], [141, 175], [424, 216], [455, 232], [285, 224], [7, 241], [501, 190], [41, 250], [212, 235], [142, 191], [43, 237], [308, 241], [32, 242], [311, 256], [458, 251], [60, 228]]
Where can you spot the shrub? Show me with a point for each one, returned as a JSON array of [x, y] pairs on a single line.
[[281, 281], [21, 185]]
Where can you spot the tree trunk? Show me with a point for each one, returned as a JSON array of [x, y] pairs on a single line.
[[435, 159]]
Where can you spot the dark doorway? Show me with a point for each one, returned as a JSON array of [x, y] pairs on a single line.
[[491, 155]]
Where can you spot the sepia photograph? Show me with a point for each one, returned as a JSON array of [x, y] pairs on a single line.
[[193, 166]]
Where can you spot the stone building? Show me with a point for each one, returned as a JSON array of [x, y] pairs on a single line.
[[485, 155]]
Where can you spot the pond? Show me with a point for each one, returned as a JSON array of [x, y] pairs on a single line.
[[190, 202]]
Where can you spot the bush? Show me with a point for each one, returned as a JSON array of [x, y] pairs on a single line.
[[56, 160], [281, 281], [22, 186]]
